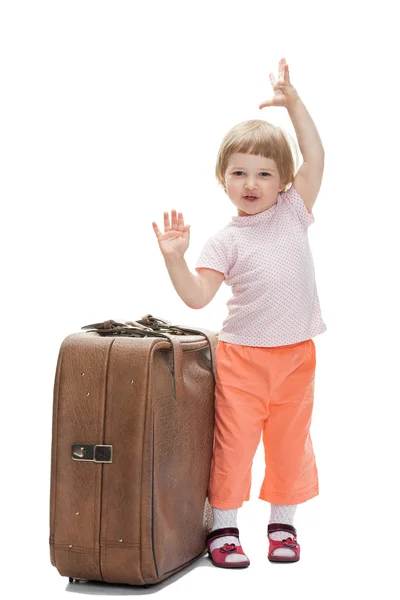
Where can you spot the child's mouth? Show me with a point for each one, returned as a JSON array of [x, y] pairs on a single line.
[[250, 198]]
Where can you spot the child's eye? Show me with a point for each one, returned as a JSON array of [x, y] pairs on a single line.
[[263, 172]]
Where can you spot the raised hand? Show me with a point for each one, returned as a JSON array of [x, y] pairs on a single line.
[[284, 92], [174, 241]]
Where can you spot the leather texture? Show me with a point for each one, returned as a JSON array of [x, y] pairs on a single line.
[[146, 388]]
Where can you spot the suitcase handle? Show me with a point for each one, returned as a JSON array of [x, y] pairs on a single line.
[[153, 327]]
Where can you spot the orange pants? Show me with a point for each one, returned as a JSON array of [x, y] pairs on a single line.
[[268, 391]]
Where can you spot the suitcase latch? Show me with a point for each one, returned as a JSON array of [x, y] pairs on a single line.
[[100, 453]]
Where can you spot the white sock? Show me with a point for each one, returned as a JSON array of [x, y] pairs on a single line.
[[282, 513], [225, 518]]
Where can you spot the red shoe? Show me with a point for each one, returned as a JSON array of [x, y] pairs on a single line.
[[289, 542], [218, 555]]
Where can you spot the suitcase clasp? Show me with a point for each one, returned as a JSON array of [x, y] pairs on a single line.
[[99, 453]]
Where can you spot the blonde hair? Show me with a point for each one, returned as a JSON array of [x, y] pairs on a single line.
[[258, 137]]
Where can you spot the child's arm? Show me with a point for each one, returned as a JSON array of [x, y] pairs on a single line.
[[308, 179], [309, 176]]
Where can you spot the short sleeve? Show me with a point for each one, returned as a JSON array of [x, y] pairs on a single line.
[[213, 256], [295, 201]]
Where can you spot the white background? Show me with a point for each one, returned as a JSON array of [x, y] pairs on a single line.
[[112, 113]]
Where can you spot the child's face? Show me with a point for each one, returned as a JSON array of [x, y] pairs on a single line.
[[252, 175]]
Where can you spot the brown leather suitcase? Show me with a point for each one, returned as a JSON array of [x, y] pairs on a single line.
[[132, 439]]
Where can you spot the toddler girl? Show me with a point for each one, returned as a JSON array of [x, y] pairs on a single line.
[[265, 356]]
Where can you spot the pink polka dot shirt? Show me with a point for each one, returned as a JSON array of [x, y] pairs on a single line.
[[266, 259]]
